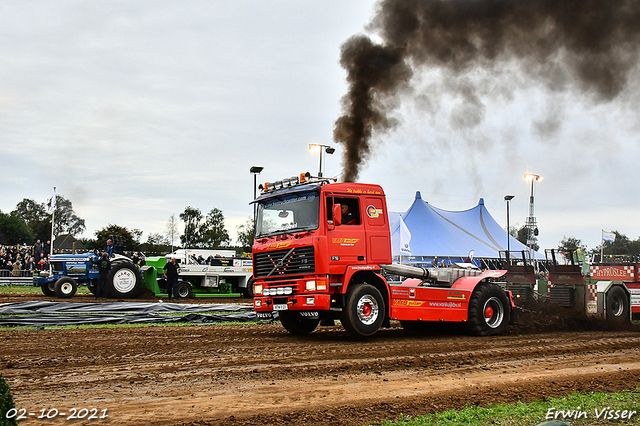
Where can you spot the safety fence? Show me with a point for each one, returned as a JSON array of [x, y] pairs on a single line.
[[21, 273], [16, 277]]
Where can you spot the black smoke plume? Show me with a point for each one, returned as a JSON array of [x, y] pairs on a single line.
[[591, 45]]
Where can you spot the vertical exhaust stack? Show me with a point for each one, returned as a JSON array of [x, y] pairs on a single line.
[[585, 45]]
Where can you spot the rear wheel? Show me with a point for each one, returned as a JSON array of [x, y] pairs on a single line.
[[124, 281], [617, 305], [65, 287], [296, 324], [183, 290], [248, 292], [364, 310], [489, 311]]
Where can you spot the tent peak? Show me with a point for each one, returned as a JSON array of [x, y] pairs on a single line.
[[418, 195], [481, 202]]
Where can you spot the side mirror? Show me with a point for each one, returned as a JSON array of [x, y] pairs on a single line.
[[337, 214]]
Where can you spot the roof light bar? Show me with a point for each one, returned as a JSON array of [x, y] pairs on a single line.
[[285, 183]]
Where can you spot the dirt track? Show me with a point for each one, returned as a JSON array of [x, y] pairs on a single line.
[[259, 374]]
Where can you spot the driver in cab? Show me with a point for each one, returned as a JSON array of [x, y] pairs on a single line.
[[348, 218]]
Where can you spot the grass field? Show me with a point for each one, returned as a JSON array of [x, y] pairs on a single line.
[[29, 289], [576, 409]]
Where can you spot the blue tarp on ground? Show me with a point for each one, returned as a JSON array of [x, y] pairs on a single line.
[[452, 234]]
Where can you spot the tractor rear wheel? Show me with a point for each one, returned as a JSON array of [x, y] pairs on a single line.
[[65, 287], [364, 310], [296, 324], [124, 281], [489, 311]]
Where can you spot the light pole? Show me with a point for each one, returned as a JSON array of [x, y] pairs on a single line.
[[255, 171], [508, 198], [531, 220], [315, 147]]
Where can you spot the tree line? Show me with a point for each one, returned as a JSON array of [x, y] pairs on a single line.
[[31, 221]]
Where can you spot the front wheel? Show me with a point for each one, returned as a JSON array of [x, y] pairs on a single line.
[[364, 310], [296, 324], [617, 305], [489, 311], [65, 287]]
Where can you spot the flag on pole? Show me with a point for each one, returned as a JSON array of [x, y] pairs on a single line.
[[608, 236], [52, 205], [405, 239]]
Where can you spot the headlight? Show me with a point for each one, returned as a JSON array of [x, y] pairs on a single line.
[[257, 289], [258, 303], [279, 291], [311, 285], [311, 301]]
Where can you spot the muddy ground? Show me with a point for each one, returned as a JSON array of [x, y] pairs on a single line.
[[259, 374]]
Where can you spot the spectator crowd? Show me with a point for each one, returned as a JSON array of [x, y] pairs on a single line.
[[24, 260]]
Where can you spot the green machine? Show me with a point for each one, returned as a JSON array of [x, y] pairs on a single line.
[[228, 277]]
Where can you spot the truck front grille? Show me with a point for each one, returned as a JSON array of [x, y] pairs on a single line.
[[298, 260]]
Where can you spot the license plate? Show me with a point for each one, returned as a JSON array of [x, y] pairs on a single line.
[[280, 307]]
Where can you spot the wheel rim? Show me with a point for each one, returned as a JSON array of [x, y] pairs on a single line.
[[183, 291], [617, 305], [493, 312], [66, 288], [124, 280], [367, 309]]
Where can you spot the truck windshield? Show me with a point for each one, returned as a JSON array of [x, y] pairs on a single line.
[[288, 213]]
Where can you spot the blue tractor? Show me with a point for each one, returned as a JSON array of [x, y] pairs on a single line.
[[71, 270]]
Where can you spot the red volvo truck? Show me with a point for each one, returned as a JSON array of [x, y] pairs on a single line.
[[322, 251]]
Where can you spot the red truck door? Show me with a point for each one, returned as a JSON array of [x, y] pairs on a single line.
[[347, 244], [377, 230]]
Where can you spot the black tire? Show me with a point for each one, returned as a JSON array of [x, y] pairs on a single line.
[[248, 292], [65, 287], [183, 290], [364, 310], [48, 289], [617, 305], [124, 281], [296, 324], [489, 311]]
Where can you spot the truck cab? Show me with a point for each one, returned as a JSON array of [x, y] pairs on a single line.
[[312, 238]]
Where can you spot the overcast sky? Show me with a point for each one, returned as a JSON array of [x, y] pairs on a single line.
[[135, 110]]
